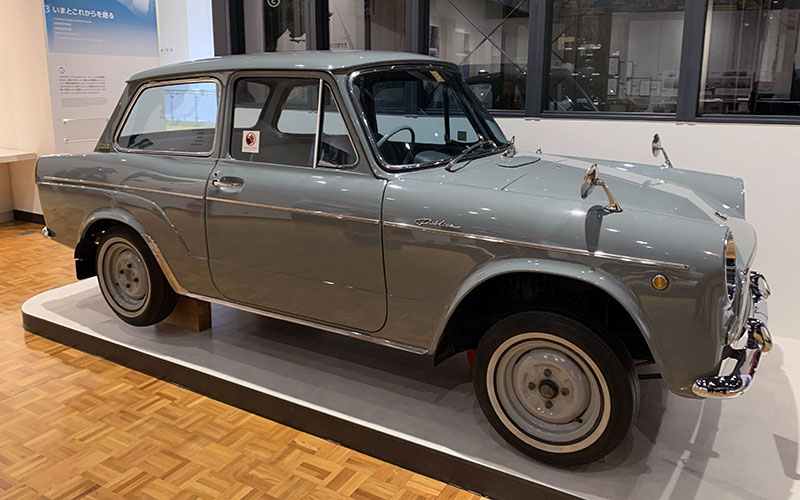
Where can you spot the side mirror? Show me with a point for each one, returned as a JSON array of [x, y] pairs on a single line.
[[656, 145], [658, 148], [590, 180]]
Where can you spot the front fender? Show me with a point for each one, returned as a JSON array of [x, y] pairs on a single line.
[[580, 272]]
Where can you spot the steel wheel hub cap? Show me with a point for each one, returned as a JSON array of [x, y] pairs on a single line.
[[550, 385], [548, 392], [125, 275]]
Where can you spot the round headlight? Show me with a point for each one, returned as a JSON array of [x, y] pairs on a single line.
[[730, 265]]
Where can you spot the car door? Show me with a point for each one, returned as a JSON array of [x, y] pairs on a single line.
[[292, 215]]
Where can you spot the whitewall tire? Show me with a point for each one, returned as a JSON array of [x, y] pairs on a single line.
[[555, 388], [130, 278]]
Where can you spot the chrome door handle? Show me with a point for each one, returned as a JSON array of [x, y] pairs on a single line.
[[227, 182]]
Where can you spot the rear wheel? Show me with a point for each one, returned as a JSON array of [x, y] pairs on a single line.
[[554, 388], [131, 280]]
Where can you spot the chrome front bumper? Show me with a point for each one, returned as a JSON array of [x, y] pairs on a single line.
[[744, 354]]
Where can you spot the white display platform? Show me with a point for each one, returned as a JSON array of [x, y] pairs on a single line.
[[679, 448]]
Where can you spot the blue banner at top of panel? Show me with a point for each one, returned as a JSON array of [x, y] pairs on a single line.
[[109, 27]]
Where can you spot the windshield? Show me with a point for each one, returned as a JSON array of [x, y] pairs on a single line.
[[422, 116]]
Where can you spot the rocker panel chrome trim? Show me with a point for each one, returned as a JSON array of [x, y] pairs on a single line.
[[540, 246], [179, 289]]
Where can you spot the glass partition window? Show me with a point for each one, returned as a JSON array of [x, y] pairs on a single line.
[[751, 64], [489, 41], [274, 25], [370, 24], [615, 56], [178, 118]]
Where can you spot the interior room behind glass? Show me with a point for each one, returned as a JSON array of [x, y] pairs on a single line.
[[752, 65], [616, 56]]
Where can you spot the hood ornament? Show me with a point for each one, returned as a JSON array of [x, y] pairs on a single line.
[[658, 148], [590, 180]]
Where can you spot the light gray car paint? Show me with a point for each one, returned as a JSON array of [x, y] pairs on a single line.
[[527, 218]]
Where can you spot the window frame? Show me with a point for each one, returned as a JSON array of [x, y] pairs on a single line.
[[545, 24], [539, 44], [163, 83], [321, 125], [322, 79]]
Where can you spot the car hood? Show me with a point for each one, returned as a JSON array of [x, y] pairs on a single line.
[[636, 187]]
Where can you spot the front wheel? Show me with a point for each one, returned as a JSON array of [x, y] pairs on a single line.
[[131, 280], [554, 388]]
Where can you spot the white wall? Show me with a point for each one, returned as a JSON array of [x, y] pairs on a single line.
[[184, 30], [767, 157], [26, 117], [6, 201], [26, 121]]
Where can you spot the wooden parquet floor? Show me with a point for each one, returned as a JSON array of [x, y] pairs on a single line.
[[76, 426]]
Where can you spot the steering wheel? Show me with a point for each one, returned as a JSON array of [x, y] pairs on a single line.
[[394, 131]]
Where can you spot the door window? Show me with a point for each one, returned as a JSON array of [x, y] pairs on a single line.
[[275, 120], [179, 118]]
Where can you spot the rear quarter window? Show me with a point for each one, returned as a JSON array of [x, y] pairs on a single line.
[[174, 117]]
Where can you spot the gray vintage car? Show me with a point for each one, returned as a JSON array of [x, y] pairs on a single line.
[[369, 194]]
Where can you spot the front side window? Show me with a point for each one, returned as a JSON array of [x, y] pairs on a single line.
[[423, 116], [617, 56], [180, 118], [335, 147], [752, 61]]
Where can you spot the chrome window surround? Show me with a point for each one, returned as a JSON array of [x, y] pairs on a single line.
[[322, 83], [162, 83], [365, 124]]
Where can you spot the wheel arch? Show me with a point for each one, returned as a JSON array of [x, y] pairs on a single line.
[[600, 293], [100, 221]]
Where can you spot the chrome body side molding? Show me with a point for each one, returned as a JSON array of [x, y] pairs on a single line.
[[107, 185], [319, 213], [541, 246], [48, 179]]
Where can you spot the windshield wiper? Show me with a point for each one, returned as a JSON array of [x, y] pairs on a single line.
[[480, 144]]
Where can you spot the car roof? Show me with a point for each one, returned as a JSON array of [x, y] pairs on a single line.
[[309, 60]]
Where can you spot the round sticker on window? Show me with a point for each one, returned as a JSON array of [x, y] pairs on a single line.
[[250, 141]]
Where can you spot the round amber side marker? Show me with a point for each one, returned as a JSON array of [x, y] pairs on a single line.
[[659, 282]]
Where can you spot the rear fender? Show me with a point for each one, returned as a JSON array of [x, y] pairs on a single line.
[[147, 219]]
